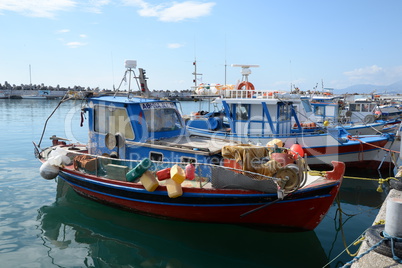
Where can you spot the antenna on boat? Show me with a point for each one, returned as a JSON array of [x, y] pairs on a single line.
[[245, 70], [130, 66]]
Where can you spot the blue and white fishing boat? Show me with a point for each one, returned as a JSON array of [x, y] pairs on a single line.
[[140, 157], [251, 116], [335, 112]]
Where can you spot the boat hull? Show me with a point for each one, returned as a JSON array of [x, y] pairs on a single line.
[[303, 209], [322, 149]]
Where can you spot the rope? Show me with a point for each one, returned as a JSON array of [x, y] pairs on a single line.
[[375, 146], [380, 181], [392, 239], [387, 237], [336, 257], [64, 99], [363, 254], [356, 242]]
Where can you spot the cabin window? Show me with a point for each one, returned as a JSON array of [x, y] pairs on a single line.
[[185, 159], [112, 120], [354, 107], [365, 107], [154, 156], [162, 120], [242, 111], [284, 112], [319, 110]]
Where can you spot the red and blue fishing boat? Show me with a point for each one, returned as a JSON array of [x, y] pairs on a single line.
[[141, 158]]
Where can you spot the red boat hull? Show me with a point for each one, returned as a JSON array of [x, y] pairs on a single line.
[[303, 209]]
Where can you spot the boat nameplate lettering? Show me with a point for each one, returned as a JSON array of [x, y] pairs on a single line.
[[157, 105]]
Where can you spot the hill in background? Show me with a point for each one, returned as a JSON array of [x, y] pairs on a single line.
[[395, 88]]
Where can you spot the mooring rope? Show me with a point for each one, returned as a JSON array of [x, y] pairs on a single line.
[[387, 237]]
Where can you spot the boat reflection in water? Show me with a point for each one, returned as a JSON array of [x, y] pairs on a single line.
[[362, 193], [101, 236]]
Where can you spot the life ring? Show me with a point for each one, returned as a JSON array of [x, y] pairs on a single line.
[[248, 85]]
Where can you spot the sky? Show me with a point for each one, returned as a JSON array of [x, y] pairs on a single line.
[[304, 43]]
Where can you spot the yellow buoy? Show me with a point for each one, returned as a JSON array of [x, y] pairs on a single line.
[[177, 174], [149, 181], [173, 188]]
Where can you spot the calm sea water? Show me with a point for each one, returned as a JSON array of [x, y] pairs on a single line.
[[45, 224]]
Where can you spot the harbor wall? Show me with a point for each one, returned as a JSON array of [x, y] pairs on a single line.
[[374, 259]]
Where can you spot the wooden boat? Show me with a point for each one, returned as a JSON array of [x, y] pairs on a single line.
[[134, 141]]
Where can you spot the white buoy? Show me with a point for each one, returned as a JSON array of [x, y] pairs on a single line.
[[48, 171], [393, 217]]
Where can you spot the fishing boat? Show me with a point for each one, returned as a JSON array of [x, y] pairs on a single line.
[[140, 157], [336, 112], [252, 116], [40, 95]]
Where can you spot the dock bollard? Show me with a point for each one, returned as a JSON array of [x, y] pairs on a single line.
[[393, 217]]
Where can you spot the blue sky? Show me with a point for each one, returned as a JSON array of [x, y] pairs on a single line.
[[71, 42]]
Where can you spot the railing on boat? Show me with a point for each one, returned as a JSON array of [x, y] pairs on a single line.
[[251, 94]]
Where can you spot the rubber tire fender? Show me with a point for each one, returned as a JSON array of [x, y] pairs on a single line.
[[396, 184], [374, 235]]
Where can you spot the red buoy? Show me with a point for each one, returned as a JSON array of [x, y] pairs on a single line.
[[296, 150]]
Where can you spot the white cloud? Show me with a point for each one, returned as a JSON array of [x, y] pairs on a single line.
[[83, 35], [49, 8], [63, 31], [365, 73], [75, 44], [37, 8], [172, 12], [95, 6], [168, 12], [375, 75], [174, 45]]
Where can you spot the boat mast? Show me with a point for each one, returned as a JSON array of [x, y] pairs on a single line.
[[143, 83], [30, 76], [195, 74]]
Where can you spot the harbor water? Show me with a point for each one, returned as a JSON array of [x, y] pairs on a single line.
[[46, 224]]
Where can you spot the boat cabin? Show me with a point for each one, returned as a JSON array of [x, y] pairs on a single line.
[[326, 108], [135, 128], [252, 116]]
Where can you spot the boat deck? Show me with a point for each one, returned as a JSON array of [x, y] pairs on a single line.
[[196, 143]]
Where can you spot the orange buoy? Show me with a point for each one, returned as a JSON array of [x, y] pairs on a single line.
[[296, 150]]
